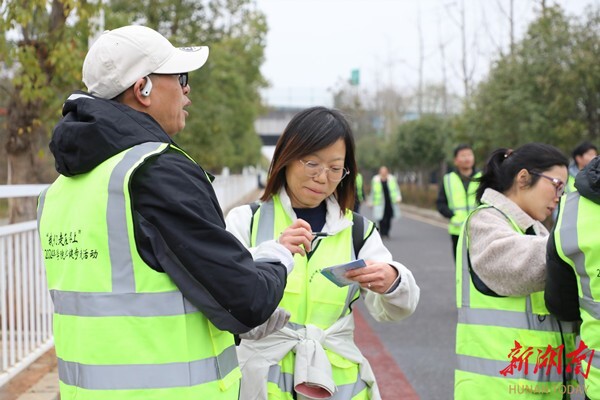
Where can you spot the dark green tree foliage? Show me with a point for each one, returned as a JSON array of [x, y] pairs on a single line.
[[225, 91], [547, 90], [42, 45], [371, 153], [587, 73], [419, 145]]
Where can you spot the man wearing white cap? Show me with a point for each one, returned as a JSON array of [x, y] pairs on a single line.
[[148, 286]]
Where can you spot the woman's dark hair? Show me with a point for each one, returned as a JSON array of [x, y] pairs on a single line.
[[309, 131], [503, 165]]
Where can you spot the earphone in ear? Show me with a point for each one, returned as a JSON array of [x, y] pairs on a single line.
[[147, 87]]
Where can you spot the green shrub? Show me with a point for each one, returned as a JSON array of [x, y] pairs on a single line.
[[420, 196]]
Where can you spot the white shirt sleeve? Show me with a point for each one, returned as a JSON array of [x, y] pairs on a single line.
[[402, 301], [238, 223]]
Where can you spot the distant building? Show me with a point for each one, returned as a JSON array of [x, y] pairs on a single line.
[[270, 126]]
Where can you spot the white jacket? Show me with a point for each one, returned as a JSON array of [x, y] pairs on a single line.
[[311, 365]]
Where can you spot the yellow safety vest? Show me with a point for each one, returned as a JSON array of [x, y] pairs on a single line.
[[486, 332], [576, 241], [312, 299], [122, 330], [359, 187], [460, 201], [570, 186], [377, 189]]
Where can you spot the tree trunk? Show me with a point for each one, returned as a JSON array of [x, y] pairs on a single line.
[[21, 149]]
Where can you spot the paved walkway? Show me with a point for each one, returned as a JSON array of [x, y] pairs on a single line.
[[39, 381]]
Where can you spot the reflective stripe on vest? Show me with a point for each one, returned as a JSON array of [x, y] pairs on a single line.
[[158, 304], [576, 242], [510, 319], [492, 368], [128, 291], [124, 377], [487, 324], [460, 200]]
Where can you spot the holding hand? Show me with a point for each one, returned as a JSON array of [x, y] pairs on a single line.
[[376, 276], [276, 321], [297, 237]]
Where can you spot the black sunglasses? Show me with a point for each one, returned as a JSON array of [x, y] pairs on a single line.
[[183, 79]]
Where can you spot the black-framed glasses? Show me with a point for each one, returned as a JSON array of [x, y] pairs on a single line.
[[334, 174], [558, 184]]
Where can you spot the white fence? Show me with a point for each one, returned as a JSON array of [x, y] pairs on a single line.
[[230, 189], [25, 305]]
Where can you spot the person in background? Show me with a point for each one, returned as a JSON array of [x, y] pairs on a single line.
[[582, 155], [456, 197], [501, 273], [359, 196], [572, 292], [385, 198], [147, 284], [307, 207]]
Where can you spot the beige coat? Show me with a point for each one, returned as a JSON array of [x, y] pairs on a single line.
[[509, 263]]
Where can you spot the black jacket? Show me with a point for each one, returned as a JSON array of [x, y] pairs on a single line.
[[560, 294], [179, 225]]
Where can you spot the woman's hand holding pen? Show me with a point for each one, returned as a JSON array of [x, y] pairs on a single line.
[[297, 237]]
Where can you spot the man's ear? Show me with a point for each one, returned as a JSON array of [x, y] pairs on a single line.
[[141, 91]]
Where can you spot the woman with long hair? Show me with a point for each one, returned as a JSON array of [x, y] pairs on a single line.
[[504, 329], [307, 206]]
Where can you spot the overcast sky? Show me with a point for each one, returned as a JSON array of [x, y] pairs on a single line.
[[313, 45]]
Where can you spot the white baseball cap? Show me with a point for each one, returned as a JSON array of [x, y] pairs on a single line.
[[122, 56]]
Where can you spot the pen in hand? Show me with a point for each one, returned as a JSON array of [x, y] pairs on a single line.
[[319, 234]]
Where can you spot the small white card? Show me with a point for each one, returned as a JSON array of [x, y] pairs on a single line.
[[336, 273]]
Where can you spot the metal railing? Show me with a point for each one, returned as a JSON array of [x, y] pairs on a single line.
[[230, 189], [25, 305]]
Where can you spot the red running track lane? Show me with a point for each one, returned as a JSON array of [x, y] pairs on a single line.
[[392, 382]]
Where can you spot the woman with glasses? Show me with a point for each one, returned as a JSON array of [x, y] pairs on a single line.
[[307, 207], [505, 334]]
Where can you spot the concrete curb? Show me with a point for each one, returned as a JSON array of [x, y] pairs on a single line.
[[424, 215]]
